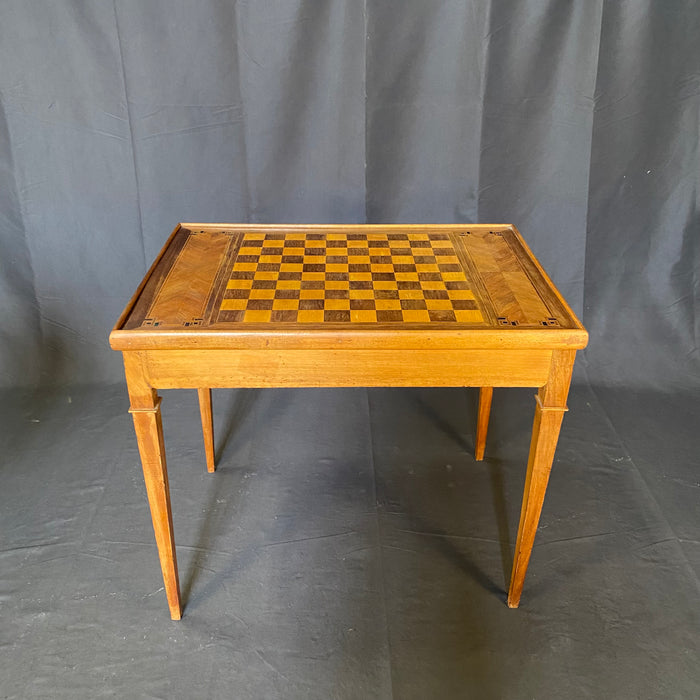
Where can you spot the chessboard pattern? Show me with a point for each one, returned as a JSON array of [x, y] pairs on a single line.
[[348, 278]]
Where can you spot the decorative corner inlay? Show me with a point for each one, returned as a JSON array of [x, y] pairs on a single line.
[[503, 321], [154, 322]]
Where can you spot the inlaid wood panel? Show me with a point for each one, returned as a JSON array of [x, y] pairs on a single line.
[[348, 277], [178, 304], [242, 279], [511, 291], [179, 300]]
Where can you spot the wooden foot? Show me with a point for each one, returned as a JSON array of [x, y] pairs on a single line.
[[207, 426], [482, 425], [549, 411], [145, 409]]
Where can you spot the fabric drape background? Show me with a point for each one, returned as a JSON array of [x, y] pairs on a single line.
[[349, 545], [575, 120]]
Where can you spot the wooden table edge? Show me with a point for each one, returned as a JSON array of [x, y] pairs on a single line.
[[300, 338], [318, 228]]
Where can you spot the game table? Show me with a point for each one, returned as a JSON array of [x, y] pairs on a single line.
[[252, 305]]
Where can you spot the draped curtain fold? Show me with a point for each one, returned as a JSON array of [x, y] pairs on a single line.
[[578, 121]]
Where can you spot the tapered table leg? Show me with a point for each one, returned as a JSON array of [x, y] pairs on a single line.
[[207, 426], [145, 409], [482, 425], [549, 411]]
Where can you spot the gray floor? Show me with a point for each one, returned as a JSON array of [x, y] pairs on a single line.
[[350, 547]]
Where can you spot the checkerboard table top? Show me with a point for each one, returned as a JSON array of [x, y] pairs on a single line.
[[348, 277], [248, 278]]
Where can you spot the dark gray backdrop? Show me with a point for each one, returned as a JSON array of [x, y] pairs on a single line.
[[576, 120], [348, 545]]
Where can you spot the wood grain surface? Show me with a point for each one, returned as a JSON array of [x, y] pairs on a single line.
[[236, 280], [243, 305]]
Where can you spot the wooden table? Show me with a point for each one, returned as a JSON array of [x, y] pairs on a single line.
[[250, 305]]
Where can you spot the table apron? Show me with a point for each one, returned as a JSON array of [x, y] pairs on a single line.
[[171, 369]]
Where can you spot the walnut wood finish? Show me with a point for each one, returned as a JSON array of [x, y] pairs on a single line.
[[549, 412], [145, 410], [191, 369], [207, 427], [250, 305], [482, 424], [494, 272]]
